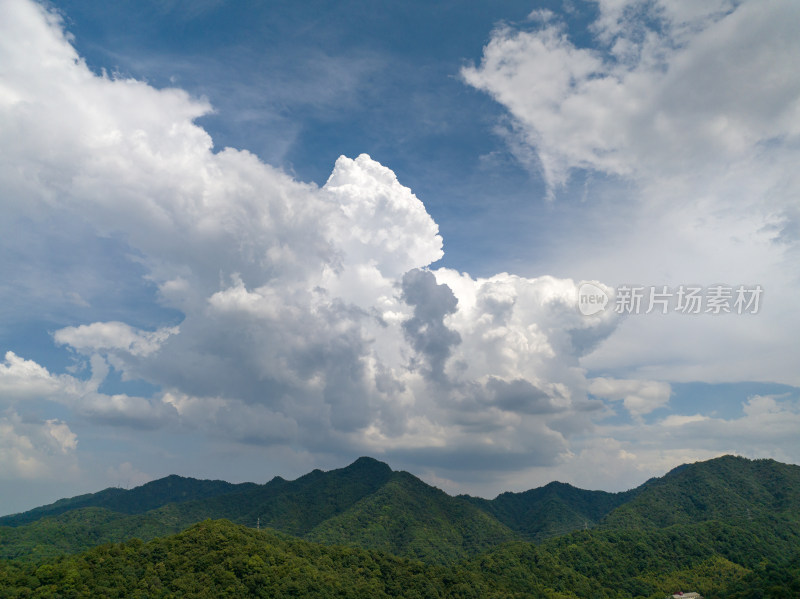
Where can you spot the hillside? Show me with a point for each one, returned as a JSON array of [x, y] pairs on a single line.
[[220, 559], [364, 504], [718, 560], [134, 501], [410, 518], [295, 507], [217, 559], [292, 506], [76, 531], [370, 506], [729, 489], [555, 509]]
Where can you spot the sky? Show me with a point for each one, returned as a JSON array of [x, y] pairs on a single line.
[[494, 244]]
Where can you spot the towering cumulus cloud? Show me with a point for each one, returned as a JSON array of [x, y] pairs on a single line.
[[310, 318]]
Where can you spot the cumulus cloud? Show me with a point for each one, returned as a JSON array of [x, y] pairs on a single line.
[[425, 330], [109, 336], [638, 396], [310, 315], [24, 381], [519, 396], [32, 450], [21, 379]]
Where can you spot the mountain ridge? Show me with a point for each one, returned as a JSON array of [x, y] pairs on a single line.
[[361, 462], [369, 505], [131, 501]]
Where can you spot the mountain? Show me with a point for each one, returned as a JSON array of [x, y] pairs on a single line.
[[715, 559], [728, 489], [295, 507], [135, 501], [368, 505], [220, 559], [728, 528], [555, 509], [77, 530], [410, 518], [365, 504]]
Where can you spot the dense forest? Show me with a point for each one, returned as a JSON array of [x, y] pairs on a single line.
[[727, 528]]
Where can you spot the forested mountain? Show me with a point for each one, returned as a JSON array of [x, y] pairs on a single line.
[[555, 509], [134, 501], [728, 488], [728, 527], [295, 507], [219, 559], [365, 504], [410, 518]]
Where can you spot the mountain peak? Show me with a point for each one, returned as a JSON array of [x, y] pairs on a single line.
[[369, 464], [558, 485]]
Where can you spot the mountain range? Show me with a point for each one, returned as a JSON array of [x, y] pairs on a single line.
[[708, 523]]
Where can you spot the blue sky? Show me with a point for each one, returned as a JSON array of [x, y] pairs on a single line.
[[195, 282]]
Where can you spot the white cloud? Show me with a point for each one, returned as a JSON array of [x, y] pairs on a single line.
[[704, 90], [31, 450], [766, 428], [381, 224], [67, 440], [109, 336], [638, 396], [680, 420], [21, 379], [26, 381]]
